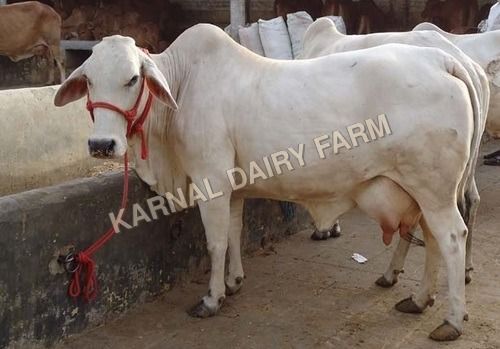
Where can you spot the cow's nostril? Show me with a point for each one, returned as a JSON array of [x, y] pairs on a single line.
[[111, 146]]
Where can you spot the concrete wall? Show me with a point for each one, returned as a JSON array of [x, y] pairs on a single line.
[[28, 72], [41, 144], [135, 266]]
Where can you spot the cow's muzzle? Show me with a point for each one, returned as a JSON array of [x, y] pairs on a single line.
[[102, 148]]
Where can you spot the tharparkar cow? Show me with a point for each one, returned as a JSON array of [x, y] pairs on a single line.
[[217, 108], [30, 29], [322, 38]]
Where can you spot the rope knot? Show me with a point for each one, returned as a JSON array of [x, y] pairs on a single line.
[[85, 269]]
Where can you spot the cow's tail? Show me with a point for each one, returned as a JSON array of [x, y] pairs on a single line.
[[479, 101]]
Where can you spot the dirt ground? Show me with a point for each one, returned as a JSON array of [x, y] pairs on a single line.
[[307, 294]]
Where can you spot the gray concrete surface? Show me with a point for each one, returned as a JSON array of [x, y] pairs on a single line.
[[305, 294], [135, 266]]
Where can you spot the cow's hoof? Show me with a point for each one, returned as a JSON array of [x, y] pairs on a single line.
[[445, 332], [408, 306], [318, 236], [383, 282], [325, 235], [201, 310], [235, 286], [335, 232]]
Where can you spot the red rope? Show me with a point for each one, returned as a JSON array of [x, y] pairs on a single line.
[[85, 264]]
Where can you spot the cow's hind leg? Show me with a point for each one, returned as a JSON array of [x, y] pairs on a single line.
[[472, 199], [390, 277], [449, 230], [215, 215], [234, 279]]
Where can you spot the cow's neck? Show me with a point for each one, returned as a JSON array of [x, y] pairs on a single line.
[[180, 63], [162, 170]]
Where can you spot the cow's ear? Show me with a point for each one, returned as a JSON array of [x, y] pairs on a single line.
[[156, 83], [493, 72], [72, 89]]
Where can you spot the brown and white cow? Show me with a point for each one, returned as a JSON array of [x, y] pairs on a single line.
[[30, 29]]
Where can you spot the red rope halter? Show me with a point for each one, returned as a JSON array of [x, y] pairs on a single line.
[[133, 126], [82, 263]]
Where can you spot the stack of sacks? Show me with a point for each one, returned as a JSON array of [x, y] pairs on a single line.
[[279, 40], [275, 38], [250, 38]]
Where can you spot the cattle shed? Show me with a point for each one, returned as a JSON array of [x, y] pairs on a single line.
[[184, 13], [298, 293]]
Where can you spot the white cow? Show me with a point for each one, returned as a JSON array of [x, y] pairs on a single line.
[[322, 38], [220, 106], [484, 49]]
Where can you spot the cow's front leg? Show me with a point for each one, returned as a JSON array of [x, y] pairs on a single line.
[[234, 279], [325, 216], [333, 232], [215, 216], [428, 287]]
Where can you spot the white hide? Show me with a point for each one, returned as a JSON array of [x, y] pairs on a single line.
[[323, 38], [236, 107]]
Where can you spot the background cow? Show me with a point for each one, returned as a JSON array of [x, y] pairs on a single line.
[[456, 16], [283, 7], [361, 17], [484, 49], [30, 29]]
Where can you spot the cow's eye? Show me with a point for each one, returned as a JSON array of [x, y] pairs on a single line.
[[132, 81]]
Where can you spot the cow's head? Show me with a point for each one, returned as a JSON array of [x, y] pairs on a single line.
[[114, 74]]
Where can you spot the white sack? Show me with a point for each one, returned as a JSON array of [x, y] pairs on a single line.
[[339, 23], [275, 39], [250, 38], [298, 23]]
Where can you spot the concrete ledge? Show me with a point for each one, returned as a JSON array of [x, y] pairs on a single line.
[[136, 265]]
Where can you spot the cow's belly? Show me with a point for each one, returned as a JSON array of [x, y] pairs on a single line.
[[320, 174], [415, 128]]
